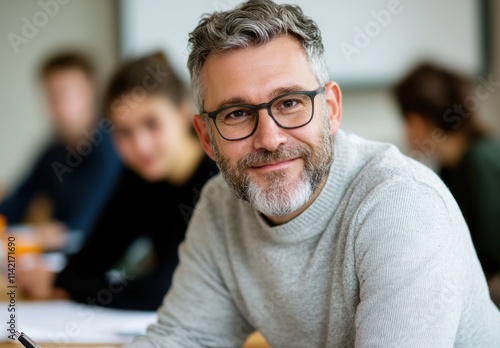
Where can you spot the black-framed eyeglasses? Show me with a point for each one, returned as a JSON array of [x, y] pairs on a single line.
[[290, 110]]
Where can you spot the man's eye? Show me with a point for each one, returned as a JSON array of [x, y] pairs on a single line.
[[238, 114], [289, 103]]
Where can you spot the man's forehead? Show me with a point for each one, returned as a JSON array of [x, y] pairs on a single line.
[[282, 50], [256, 73]]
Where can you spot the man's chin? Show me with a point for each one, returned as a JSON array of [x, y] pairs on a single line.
[[279, 198], [277, 178]]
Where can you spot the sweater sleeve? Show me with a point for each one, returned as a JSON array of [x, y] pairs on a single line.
[[412, 252], [198, 310]]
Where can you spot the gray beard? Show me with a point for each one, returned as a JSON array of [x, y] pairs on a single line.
[[278, 197]]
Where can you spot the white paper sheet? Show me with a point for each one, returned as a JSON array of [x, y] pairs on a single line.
[[63, 322]]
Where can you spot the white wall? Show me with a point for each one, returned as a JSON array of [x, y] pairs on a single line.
[[89, 25]]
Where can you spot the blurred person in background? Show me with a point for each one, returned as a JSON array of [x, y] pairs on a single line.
[[440, 124], [165, 170], [73, 176]]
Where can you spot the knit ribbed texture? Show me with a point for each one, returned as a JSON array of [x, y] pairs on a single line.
[[382, 258]]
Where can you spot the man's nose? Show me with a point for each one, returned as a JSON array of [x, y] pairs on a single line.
[[268, 134]]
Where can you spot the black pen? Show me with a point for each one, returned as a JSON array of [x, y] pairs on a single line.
[[26, 341]]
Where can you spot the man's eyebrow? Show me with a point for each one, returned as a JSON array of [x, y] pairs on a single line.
[[274, 93]]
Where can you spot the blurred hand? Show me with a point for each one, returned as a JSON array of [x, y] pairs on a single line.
[[34, 280], [51, 236]]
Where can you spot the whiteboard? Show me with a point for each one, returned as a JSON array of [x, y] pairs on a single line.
[[367, 42]]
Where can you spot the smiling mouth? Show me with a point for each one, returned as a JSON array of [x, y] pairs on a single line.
[[275, 165]]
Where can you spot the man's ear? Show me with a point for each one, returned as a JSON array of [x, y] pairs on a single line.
[[333, 97], [201, 127]]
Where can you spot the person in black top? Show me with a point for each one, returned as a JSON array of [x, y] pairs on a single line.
[[439, 106], [166, 169]]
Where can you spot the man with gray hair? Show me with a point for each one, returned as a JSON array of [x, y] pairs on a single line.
[[313, 237]]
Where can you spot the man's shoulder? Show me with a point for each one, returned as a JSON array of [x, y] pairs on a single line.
[[394, 196], [385, 173]]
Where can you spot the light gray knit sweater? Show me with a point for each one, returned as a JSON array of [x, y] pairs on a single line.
[[382, 258]]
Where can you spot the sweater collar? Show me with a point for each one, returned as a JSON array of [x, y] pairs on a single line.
[[316, 217]]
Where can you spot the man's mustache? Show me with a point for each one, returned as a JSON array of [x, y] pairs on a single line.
[[262, 156]]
